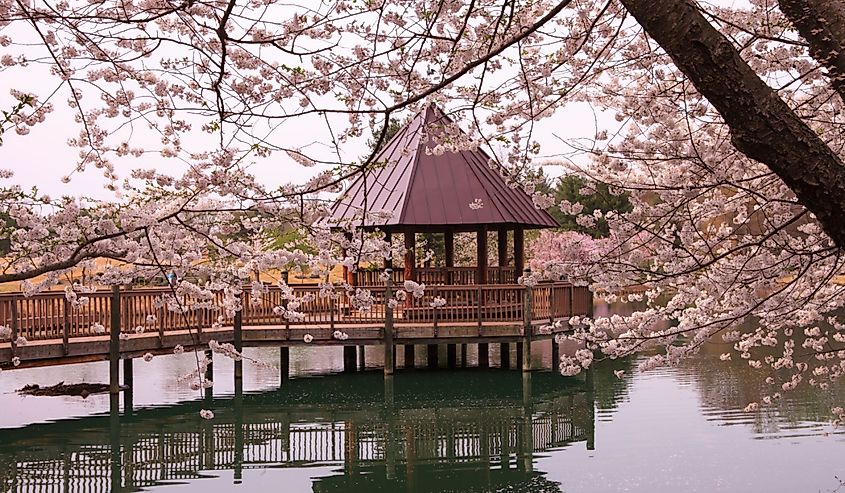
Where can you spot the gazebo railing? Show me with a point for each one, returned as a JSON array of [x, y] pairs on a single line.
[[440, 276]]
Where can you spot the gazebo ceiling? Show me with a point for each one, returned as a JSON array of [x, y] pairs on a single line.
[[423, 190]]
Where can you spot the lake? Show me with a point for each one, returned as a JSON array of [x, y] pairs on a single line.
[[676, 429]]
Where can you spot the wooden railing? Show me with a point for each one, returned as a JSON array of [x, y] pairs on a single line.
[[439, 276], [49, 316]]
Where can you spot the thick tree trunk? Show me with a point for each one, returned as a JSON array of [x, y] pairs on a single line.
[[762, 126], [822, 24]]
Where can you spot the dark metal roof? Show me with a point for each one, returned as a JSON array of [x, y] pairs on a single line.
[[420, 189]]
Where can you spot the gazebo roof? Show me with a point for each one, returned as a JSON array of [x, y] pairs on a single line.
[[422, 189]]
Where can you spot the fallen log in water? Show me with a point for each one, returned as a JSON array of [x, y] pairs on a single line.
[[80, 389]]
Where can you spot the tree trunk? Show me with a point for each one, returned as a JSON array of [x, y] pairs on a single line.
[[762, 126], [822, 24]]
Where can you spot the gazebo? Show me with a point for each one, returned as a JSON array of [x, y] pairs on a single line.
[[419, 188]]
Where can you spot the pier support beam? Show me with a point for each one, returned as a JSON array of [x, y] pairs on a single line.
[[129, 384], [284, 364], [239, 345], [505, 356], [410, 355], [209, 374], [451, 356], [519, 355], [362, 362], [555, 355], [463, 355], [350, 358], [483, 355], [528, 329], [432, 356], [389, 349], [114, 351]]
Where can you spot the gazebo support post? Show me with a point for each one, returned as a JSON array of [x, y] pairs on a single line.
[[518, 251], [502, 254], [410, 260], [449, 250], [347, 273], [451, 356], [481, 247], [388, 261]]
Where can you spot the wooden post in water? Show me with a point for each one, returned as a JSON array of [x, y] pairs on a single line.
[[463, 355], [209, 374], [238, 342], [284, 364], [350, 361], [431, 356], [114, 349], [528, 332], [362, 363], [129, 383], [451, 356], [389, 357], [409, 355], [505, 356], [483, 355], [555, 354]]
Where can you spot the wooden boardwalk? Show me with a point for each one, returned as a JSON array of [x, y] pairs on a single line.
[[56, 332]]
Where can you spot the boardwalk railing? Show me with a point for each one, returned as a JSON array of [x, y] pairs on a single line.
[[49, 316], [440, 276]]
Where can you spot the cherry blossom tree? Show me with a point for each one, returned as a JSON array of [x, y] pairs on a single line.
[[728, 138]]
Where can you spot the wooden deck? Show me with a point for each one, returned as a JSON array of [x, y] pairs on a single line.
[[56, 332]]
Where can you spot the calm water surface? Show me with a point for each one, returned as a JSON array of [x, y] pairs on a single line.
[[680, 429]]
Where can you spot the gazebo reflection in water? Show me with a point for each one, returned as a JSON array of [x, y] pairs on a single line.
[[425, 432]]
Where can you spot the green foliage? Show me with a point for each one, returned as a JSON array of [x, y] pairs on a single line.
[[291, 238], [569, 188], [373, 144]]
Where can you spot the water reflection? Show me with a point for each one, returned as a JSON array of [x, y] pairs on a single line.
[[416, 432]]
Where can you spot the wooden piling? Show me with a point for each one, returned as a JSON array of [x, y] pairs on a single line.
[[350, 359], [209, 373], [431, 353], [528, 332], [238, 342], [505, 356], [483, 355], [284, 364], [410, 355], [128, 383], [451, 356], [389, 355], [114, 342]]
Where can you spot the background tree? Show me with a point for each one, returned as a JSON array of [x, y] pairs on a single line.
[[725, 117]]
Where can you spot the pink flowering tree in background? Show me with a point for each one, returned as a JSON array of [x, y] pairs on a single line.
[[722, 124]]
